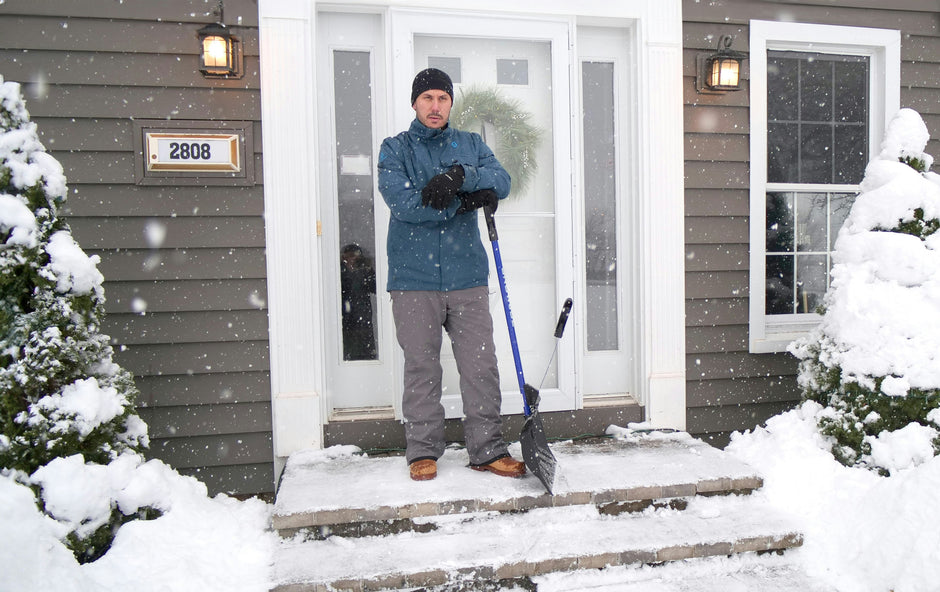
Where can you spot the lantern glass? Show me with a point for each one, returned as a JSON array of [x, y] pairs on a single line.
[[216, 53], [724, 73]]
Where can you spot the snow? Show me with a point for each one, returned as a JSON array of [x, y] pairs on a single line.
[[82, 406], [199, 543], [18, 220], [863, 532], [70, 267]]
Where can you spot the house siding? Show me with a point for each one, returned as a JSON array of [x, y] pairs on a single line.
[[728, 388], [199, 354]]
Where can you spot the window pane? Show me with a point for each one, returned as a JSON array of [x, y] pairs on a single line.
[[815, 89], [512, 71], [811, 224], [600, 205], [816, 154], [783, 89], [780, 223], [839, 206], [782, 152], [779, 281], [448, 65], [353, 94], [850, 153], [811, 281], [851, 96]]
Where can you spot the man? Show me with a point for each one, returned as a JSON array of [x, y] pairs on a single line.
[[433, 179]]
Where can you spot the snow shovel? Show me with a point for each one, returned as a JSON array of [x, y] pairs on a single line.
[[537, 455]]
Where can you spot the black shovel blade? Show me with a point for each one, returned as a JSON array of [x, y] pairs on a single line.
[[537, 455]]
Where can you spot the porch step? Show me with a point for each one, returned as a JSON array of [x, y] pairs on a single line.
[[355, 523], [321, 489], [494, 547]]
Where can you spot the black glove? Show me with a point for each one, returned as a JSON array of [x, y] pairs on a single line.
[[441, 189], [478, 199]]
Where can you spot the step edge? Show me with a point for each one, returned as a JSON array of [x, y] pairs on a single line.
[[524, 568], [643, 493]]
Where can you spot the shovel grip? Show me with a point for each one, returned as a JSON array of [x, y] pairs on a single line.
[[489, 213], [563, 318]]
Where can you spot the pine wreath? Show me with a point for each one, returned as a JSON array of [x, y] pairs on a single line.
[[517, 138]]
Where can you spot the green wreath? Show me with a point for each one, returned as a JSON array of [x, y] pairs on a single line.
[[516, 138]]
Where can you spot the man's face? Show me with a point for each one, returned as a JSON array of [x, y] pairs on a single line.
[[433, 108]]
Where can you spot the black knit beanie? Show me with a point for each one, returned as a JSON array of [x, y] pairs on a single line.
[[431, 79]]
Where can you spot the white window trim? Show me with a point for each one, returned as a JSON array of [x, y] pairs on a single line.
[[883, 47]]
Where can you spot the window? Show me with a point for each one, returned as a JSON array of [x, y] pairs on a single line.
[[820, 97]]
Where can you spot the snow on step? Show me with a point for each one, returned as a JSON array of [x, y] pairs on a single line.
[[493, 546], [768, 573], [336, 486]]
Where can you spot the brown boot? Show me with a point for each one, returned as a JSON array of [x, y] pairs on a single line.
[[505, 466], [423, 470]]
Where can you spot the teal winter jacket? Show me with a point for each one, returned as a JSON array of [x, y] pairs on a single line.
[[431, 249]]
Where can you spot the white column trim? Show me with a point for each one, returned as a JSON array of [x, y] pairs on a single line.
[[289, 141], [662, 220]]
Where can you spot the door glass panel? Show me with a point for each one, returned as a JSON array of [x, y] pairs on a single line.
[[600, 206], [502, 82], [353, 119]]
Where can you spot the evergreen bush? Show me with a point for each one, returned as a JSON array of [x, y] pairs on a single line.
[[61, 394], [854, 362]]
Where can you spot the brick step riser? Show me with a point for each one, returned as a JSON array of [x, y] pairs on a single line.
[[467, 579], [398, 519], [390, 527]]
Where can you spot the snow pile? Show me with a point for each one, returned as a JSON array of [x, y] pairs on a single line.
[[863, 532], [199, 543]]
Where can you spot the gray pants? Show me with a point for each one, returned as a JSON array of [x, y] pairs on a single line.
[[465, 314]]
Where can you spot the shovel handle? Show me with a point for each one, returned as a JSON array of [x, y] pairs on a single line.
[[563, 318]]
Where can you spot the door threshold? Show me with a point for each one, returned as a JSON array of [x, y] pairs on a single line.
[[362, 414], [609, 400]]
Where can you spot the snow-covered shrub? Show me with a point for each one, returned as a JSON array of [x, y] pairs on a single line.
[[874, 361], [61, 394]]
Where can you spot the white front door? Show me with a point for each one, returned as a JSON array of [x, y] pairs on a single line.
[[501, 86]]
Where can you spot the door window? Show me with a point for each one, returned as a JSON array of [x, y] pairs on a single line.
[[356, 233]]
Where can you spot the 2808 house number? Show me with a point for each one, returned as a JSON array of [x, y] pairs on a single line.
[[192, 152]]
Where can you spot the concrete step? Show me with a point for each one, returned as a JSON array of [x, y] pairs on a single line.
[[337, 491], [471, 549]]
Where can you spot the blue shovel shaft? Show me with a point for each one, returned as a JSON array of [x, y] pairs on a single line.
[[494, 240]]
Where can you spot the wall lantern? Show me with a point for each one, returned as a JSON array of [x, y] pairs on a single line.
[[220, 52], [719, 72]]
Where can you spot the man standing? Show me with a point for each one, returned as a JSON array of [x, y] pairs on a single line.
[[433, 179]]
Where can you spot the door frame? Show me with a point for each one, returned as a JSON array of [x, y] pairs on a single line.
[[403, 25], [287, 45]]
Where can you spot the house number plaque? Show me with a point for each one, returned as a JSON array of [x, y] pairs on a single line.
[[198, 152]]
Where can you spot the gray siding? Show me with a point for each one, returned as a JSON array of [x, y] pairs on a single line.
[[729, 389], [200, 353]]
